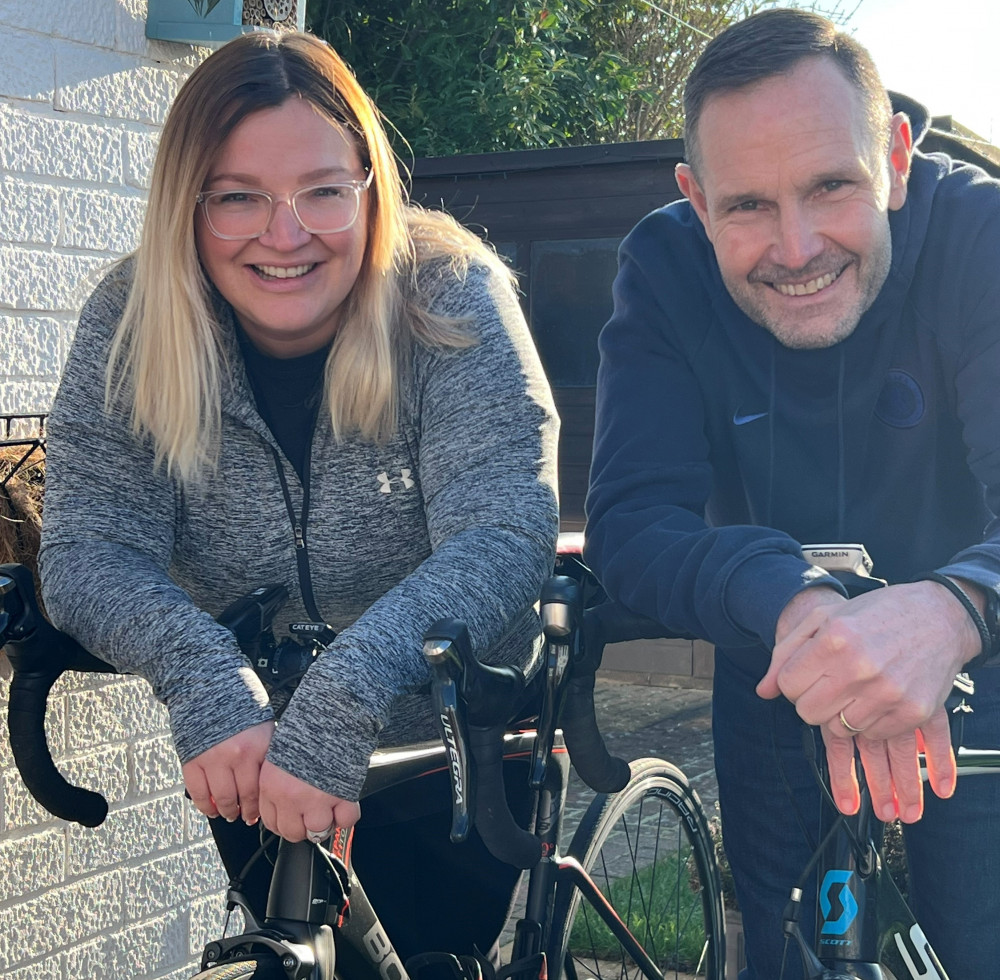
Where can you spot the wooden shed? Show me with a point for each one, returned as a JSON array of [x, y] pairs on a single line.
[[557, 216]]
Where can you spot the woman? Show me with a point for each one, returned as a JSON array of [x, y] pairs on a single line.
[[297, 378]]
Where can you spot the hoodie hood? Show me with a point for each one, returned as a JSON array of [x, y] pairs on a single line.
[[920, 118]]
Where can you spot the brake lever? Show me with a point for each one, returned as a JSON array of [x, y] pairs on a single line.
[[473, 701], [559, 608], [442, 654]]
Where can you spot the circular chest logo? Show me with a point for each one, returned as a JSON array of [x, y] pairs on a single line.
[[901, 402]]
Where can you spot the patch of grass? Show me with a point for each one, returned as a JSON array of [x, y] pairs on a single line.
[[662, 907]]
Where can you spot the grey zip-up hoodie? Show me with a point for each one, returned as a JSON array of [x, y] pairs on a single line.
[[456, 515]]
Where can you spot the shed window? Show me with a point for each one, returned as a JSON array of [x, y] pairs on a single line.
[[570, 302]]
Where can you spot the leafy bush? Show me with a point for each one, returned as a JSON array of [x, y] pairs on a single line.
[[473, 76]]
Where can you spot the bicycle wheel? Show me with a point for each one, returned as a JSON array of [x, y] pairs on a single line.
[[649, 851]]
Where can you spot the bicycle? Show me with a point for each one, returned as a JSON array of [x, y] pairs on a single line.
[[637, 892], [864, 928]]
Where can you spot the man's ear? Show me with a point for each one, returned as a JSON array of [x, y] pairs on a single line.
[[900, 155], [688, 185]]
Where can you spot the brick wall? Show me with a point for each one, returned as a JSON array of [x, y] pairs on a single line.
[[82, 98]]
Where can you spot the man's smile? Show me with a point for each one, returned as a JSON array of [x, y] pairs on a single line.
[[808, 288]]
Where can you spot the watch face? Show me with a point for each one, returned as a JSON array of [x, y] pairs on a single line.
[[279, 9]]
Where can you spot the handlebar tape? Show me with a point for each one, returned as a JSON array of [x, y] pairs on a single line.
[[26, 721], [503, 838], [594, 764], [39, 653]]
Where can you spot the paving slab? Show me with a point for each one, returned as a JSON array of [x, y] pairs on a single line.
[[672, 723]]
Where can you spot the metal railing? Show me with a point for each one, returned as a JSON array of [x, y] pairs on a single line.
[[21, 431]]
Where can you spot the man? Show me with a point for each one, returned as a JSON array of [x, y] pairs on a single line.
[[807, 350]]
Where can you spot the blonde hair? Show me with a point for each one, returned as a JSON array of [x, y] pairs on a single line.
[[168, 357]]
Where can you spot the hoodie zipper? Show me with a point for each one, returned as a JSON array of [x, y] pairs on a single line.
[[299, 524]]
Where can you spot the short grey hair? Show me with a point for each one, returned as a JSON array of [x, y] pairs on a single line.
[[772, 43]]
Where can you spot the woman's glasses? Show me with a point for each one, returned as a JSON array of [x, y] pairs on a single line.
[[320, 210]]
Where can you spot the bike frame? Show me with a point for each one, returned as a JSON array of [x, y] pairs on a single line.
[[299, 904], [863, 924]]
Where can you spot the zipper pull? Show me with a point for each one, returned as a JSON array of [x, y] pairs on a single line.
[[300, 538]]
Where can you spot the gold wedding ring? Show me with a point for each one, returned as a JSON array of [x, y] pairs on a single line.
[[848, 725]]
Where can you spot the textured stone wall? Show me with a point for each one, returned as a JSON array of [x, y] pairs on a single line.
[[82, 99]]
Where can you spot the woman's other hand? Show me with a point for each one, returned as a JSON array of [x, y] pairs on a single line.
[[295, 809], [225, 780]]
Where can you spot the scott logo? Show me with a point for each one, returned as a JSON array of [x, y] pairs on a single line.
[[848, 904]]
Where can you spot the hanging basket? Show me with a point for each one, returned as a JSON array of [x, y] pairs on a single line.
[[22, 481]]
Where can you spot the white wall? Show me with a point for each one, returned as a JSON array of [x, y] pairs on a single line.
[[82, 98]]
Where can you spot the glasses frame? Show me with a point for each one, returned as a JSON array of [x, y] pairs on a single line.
[[358, 186]]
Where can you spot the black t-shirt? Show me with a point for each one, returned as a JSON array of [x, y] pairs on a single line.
[[288, 392]]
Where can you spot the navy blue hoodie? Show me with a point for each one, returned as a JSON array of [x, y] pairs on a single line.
[[718, 451]]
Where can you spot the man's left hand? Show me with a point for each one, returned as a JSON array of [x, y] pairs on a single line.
[[882, 663]]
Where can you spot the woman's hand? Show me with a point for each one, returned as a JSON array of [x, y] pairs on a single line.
[[225, 779], [293, 808]]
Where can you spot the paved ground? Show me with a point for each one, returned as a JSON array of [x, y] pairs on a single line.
[[640, 721], [671, 723]]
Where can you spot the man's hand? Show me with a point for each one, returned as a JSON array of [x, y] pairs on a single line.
[[882, 663], [292, 808], [892, 768], [223, 780]]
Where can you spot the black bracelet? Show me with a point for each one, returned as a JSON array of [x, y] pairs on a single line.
[[992, 617], [982, 629]]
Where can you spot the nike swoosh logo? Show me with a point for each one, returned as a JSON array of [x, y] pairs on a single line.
[[743, 419]]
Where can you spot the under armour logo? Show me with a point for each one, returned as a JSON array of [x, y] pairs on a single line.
[[386, 481]]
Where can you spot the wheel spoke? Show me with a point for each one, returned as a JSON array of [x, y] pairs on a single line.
[[649, 851]]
